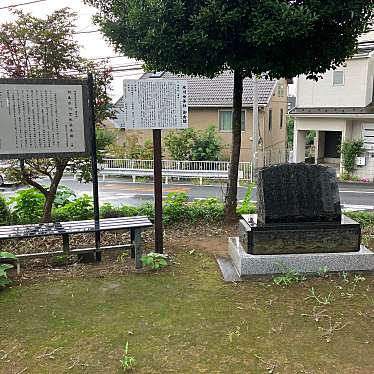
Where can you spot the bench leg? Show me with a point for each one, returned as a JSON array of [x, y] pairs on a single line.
[[132, 241], [18, 268], [65, 243], [138, 246]]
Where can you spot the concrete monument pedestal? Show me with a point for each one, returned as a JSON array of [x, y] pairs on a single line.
[[248, 264]]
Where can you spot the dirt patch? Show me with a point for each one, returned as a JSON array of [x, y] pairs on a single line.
[[209, 238]]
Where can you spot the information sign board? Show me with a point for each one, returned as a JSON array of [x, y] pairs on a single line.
[[44, 118], [155, 104]]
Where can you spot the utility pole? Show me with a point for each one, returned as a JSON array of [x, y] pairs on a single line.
[[255, 124]]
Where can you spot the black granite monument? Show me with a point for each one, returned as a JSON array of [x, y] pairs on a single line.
[[298, 212]]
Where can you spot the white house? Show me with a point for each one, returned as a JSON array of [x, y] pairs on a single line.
[[339, 107]]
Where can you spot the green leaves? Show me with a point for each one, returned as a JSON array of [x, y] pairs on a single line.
[[4, 211], [27, 206], [8, 255], [127, 361], [156, 261], [194, 145], [4, 267], [208, 36], [351, 149]]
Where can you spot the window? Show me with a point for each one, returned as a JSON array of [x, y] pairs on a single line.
[[280, 90], [225, 120], [270, 119], [338, 78], [281, 118]]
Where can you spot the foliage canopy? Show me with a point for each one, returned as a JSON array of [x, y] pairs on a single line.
[[206, 37]]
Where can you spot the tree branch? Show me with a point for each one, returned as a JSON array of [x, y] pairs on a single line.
[[26, 177]]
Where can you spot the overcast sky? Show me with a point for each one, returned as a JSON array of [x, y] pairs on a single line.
[[93, 45]]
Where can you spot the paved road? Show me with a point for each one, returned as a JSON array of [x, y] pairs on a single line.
[[117, 191], [352, 195]]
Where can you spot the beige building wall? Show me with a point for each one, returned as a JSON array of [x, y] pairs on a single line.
[[274, 141], [275, 138]]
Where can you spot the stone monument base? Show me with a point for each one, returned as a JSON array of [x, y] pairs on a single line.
[[299, 238], [248, 264]]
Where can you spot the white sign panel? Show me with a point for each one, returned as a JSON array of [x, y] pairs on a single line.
[[155, 104], [41, 119]]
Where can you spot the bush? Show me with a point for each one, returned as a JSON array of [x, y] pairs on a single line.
[[4, 267], [4, 212], [175, 208], [131, 211], [64, 196], [207, 145], [107, 210], [366, 219], [208, 210], [79, 209], [27, 206], [247, 207], [136, 151], [146, 209], [194, 145], [351, 149]]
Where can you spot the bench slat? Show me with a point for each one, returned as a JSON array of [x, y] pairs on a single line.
[[73, 227], [102, 221]]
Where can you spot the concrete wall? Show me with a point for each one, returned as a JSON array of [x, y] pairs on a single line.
[[357, 90]]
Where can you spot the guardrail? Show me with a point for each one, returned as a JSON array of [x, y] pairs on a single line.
[[174, 168]]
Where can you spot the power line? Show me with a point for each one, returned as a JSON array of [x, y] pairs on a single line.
[[21, 4]]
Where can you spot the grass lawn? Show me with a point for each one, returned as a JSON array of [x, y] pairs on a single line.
[[186, 320]]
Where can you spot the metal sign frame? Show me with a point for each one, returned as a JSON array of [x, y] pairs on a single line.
[[86, 117]]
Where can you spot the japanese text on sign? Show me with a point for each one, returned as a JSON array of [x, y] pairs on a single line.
[[155, 104], [41, 119]]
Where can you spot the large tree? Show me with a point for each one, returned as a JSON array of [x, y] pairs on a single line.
[[33, 47], [281, 38]]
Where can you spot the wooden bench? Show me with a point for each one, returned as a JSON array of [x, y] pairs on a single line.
[[64, 229]]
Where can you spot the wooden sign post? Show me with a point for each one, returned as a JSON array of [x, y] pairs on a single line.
[[156, 104]]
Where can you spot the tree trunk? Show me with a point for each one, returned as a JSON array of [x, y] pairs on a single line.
[[232, 186], [51, 194]]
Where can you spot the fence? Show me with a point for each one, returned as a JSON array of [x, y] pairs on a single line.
[[174, 168]]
